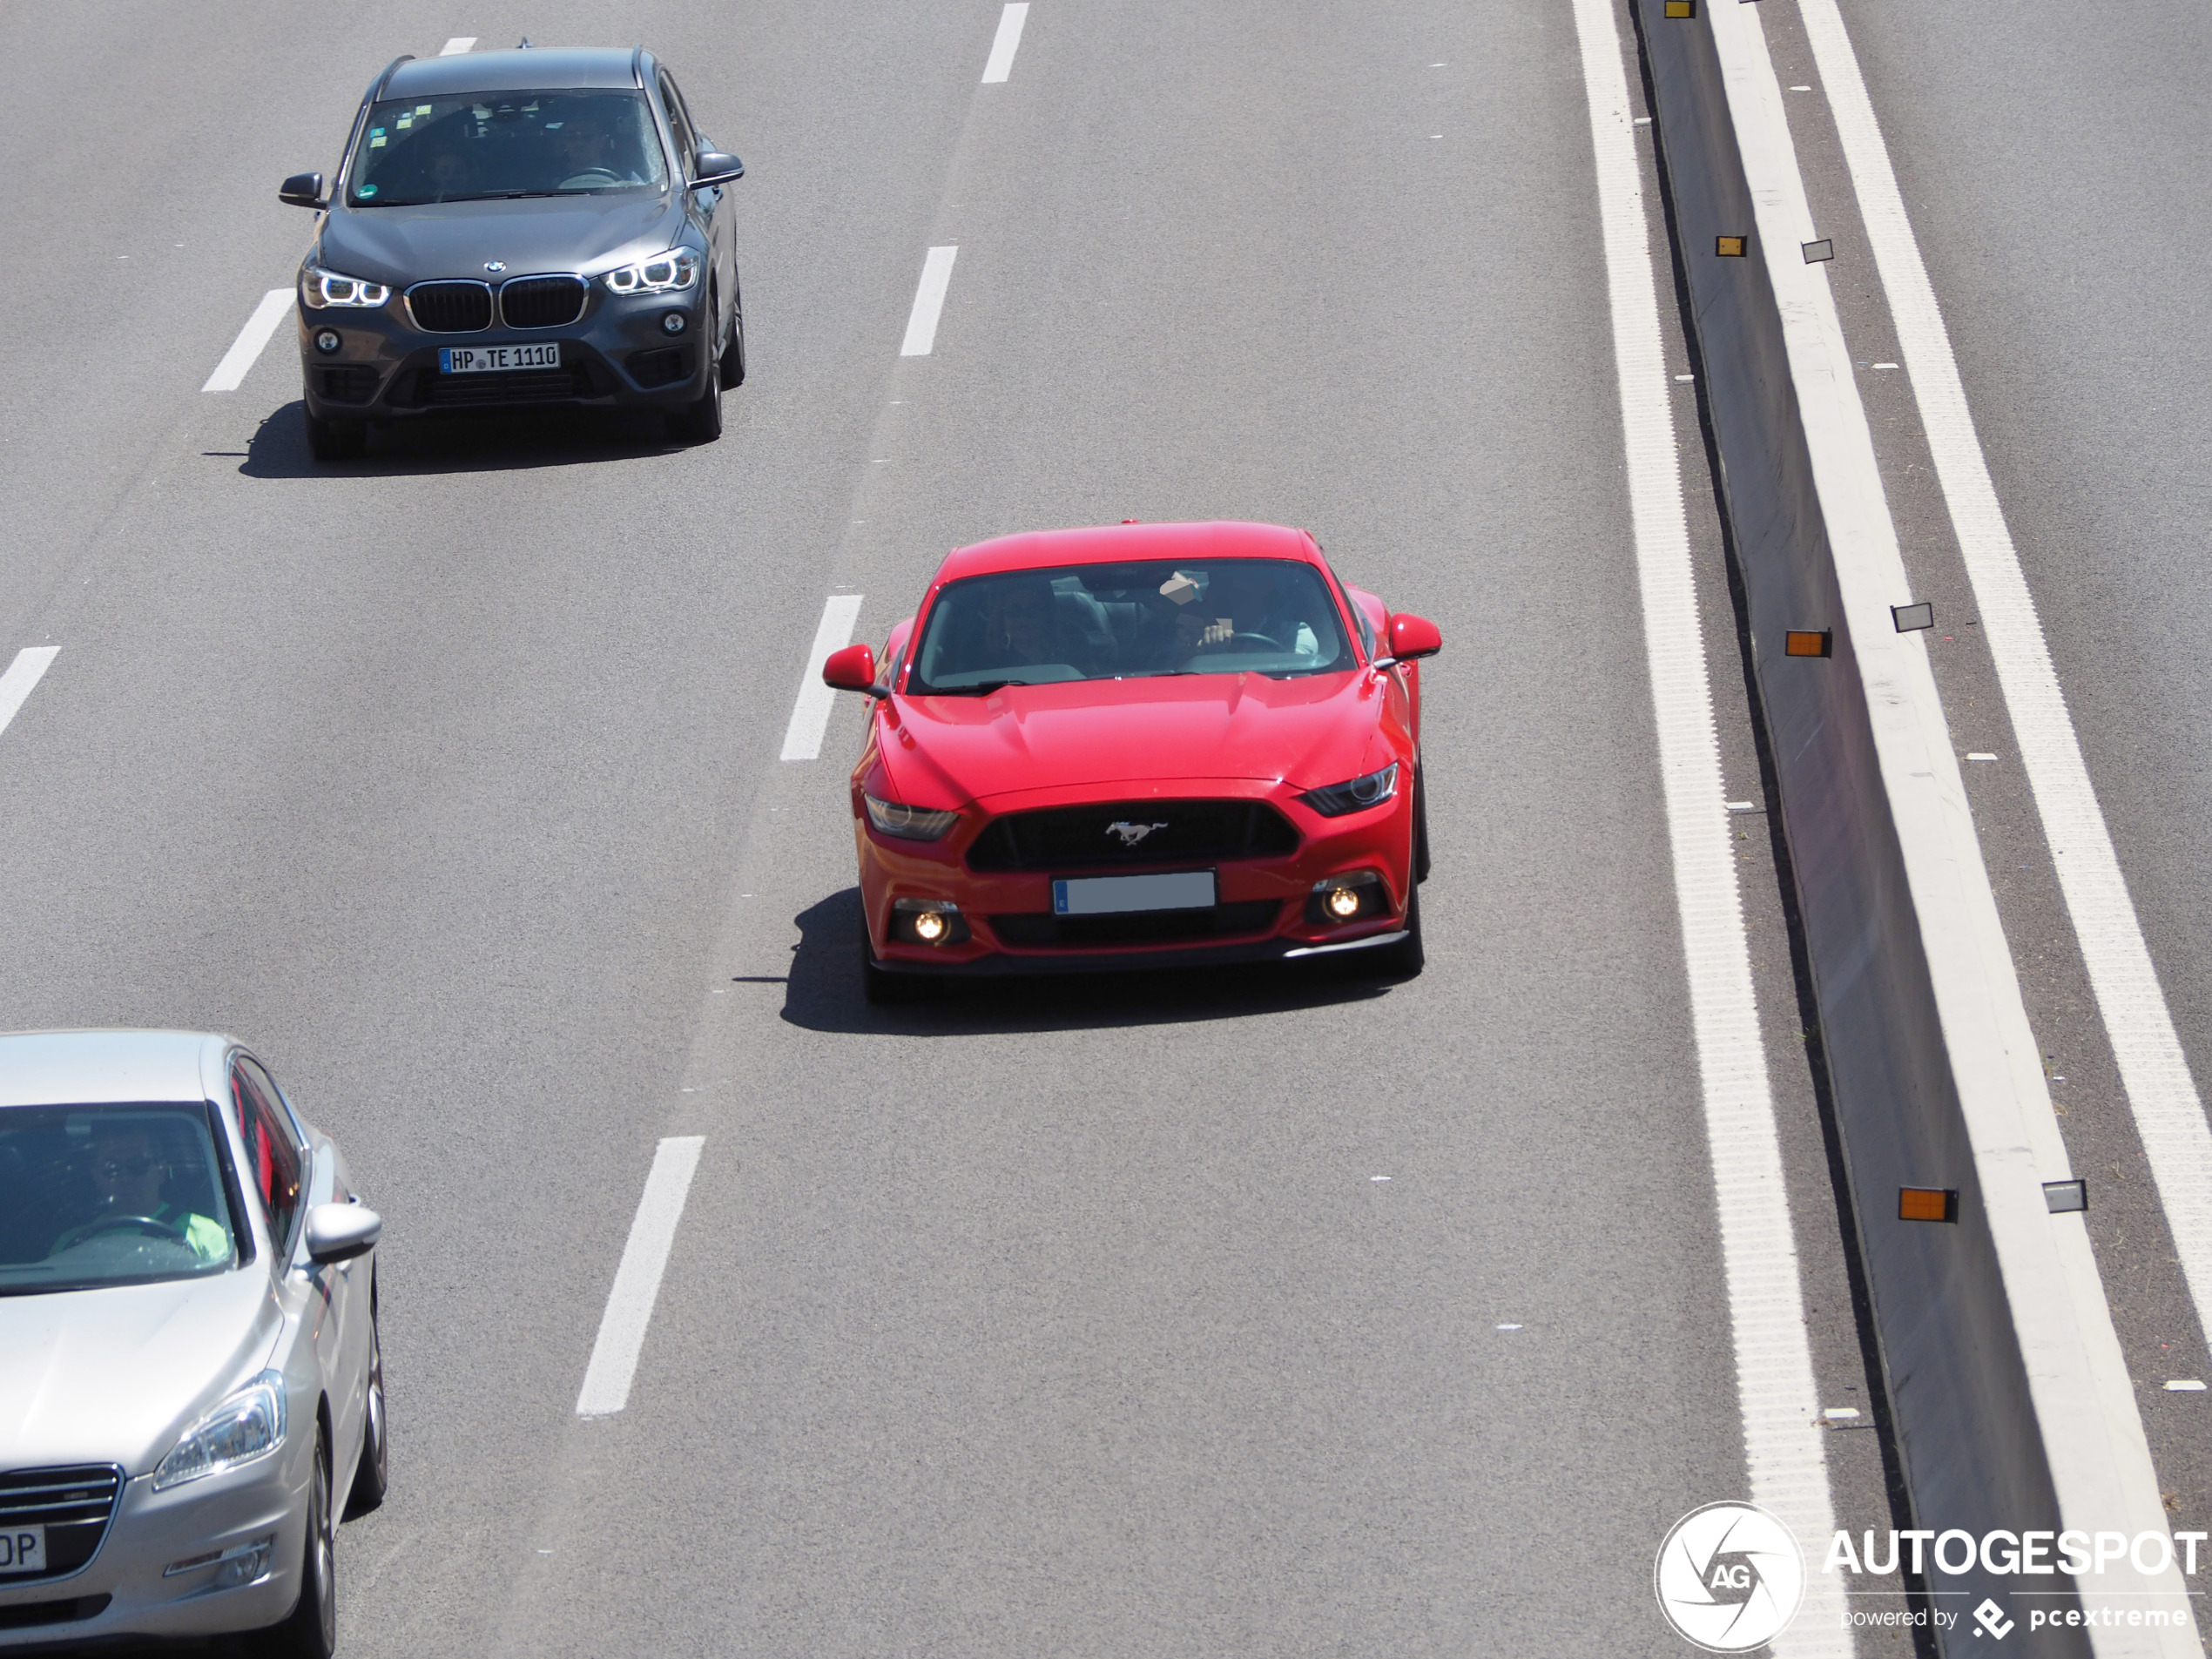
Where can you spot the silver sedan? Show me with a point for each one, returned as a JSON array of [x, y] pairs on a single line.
[[190, 1377]]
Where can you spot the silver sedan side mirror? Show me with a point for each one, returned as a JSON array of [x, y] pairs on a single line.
[[338, 1232]]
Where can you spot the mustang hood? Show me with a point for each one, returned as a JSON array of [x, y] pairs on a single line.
[[114, 1375], [1310, 731], [401, 246]]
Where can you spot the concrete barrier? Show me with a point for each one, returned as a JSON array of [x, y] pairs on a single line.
[[2012, 1404]]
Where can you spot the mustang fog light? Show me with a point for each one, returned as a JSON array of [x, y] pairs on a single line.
[[672, 322], [1359, 896], [928, 921], [327, 341]]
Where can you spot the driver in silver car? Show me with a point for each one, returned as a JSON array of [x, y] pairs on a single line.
[[129, 1172]]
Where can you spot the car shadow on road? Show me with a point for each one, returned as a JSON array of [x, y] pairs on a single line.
[[822, 993], [508, 442]]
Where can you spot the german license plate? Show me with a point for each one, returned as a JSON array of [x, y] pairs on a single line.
[[23, 1549], [1110, 895], [491, 359]]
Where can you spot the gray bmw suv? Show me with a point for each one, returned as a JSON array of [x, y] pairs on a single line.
[[513, 228]]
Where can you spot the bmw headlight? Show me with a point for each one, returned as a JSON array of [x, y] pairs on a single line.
[[1354, 794], [318, 288], [247, 1425], [908, 823], [664, 274]]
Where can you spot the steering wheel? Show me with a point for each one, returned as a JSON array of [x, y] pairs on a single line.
[[591, 178], [152, 1224], [1262, 639]]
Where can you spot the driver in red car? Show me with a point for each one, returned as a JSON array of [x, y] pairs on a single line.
[[129, 1172]]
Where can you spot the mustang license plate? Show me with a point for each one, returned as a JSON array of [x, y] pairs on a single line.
[[1108, 895], [23, 1549], [489, 359]]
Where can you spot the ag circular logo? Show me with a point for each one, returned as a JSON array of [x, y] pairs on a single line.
[[1729, 1577]]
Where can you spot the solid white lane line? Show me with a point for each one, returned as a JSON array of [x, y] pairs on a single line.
[[31, 663], [1001, 62], [457, 45], [930, 299], [810, 714], [1784, 1458], [629, 1303], [2169, 1114], [247, 346]]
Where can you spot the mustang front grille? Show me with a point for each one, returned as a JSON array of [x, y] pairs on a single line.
[[1044, 931], [450, 307], [74, 1505], [541, 302], [1123, 834]]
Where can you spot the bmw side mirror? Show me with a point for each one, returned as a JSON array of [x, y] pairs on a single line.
[[713, 167], [853, 670], [1414, 638], [302, 190], [338, 1232]]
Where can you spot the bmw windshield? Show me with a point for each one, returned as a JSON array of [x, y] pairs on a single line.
[[489, 146], [1273, 616], [111, 1195]]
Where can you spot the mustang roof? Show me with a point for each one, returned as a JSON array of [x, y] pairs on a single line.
[[87, 1068], [534, 70], [1108, 543]]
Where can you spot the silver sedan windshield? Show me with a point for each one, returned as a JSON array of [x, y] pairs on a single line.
[[483, 146], [110, 1195]]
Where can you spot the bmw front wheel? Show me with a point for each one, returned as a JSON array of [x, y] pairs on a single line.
[[334, 440]]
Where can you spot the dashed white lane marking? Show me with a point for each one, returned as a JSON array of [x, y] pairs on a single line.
[[999, 64], [629, 1301], [1783, 1453], [247, 346], [31, 663], [457, 45], [2169, 1115], [930, 299], [810, 714]]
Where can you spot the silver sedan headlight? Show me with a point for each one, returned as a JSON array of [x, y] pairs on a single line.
[[319, 288], [248, 1425], [669, 272]]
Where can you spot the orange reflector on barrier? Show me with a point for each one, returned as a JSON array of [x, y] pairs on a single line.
[[1729, 247], [1927, 1203], [1802, 641]]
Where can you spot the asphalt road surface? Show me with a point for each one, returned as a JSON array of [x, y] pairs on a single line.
[[1193, 1316]]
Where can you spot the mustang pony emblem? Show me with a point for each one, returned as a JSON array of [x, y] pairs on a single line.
[[1131, 833]]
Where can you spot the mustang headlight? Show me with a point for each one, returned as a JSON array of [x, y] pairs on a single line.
[[247, 1425], [664, 274], [1355, 795], [319, 288], [908, 823]]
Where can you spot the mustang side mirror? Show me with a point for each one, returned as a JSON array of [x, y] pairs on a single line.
[[714, 167], [853, 670], [302, 190], [1413, 638], [338, 1232]]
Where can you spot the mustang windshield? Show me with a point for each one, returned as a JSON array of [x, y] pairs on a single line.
[[110, 1195], [1087, 622], [484, 146]]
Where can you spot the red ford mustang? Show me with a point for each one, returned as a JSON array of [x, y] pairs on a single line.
[[1145, 745]]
